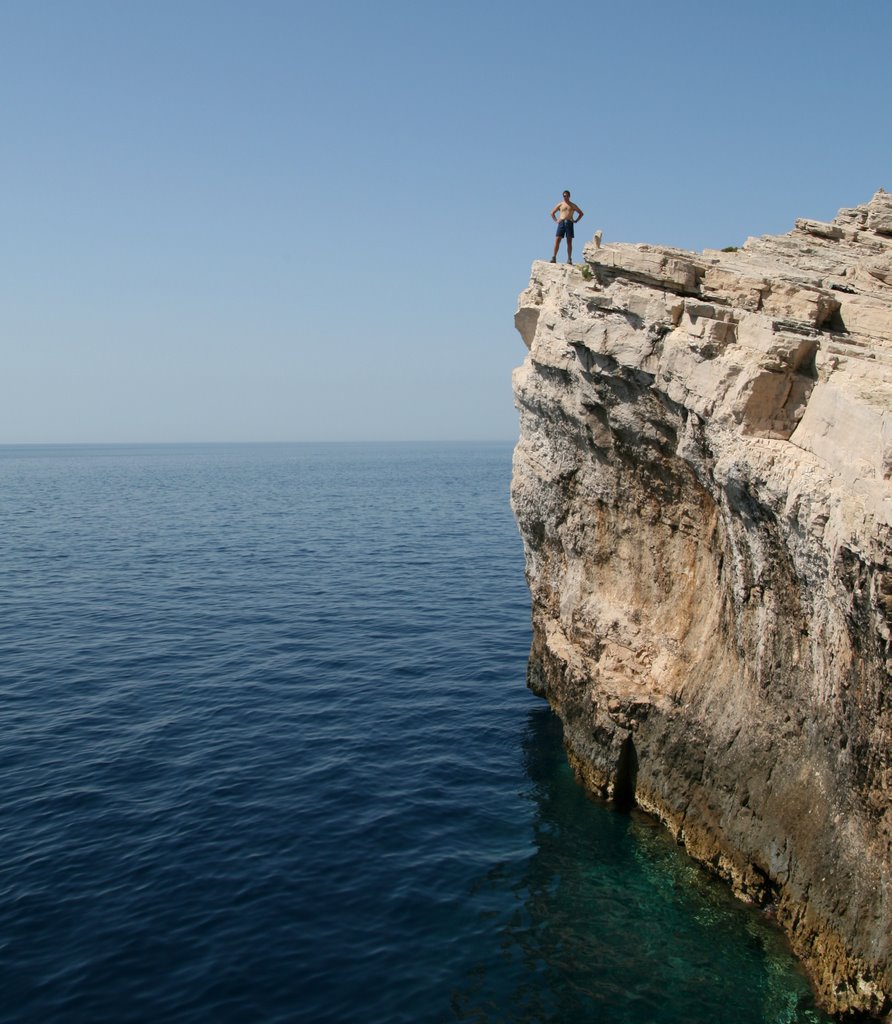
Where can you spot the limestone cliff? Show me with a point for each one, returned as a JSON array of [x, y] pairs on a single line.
[[702, 483]]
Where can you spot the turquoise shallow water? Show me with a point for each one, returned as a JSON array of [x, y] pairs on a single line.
[[268, 756]]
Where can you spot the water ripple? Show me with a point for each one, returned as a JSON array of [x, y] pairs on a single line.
[[268, 755]]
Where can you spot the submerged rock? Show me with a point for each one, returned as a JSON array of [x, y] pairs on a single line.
[[702, 483]]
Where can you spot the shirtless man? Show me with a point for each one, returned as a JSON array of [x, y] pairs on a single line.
[[565, 225]]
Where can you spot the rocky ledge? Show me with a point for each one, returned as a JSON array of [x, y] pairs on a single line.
[[702, 483]]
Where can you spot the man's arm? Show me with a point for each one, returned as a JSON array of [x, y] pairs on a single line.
[[581, 214], [554, 211]]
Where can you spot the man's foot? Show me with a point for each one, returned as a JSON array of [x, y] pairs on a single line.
[[554, 259], [569, 263]]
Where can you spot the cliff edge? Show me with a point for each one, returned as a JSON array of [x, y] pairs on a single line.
[[702, 483]]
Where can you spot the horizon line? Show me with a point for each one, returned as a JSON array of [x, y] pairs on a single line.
[[84, 444]]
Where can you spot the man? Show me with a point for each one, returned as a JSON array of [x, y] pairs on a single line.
[[565, 225]]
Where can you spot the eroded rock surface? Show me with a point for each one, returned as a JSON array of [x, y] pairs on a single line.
[[702, 483]]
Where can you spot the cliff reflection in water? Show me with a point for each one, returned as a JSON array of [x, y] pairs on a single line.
[[611, 921]]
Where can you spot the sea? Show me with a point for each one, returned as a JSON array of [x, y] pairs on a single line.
[[268, 755]]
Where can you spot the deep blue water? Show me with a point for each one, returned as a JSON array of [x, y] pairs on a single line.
[[268, 755]]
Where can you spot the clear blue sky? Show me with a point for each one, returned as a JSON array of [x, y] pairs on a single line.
[[275, 220]]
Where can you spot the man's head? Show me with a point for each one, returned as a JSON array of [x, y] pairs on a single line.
[[566, 195]]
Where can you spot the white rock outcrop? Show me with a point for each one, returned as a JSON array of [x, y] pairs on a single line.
[[702, 483]]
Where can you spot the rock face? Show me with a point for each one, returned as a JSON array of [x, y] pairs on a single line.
[[702, 483]]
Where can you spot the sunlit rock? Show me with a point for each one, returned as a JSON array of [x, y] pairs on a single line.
[[702, 482]]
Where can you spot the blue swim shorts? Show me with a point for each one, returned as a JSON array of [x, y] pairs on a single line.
[[565, 229]]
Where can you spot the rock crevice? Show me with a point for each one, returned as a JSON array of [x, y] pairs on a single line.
[[702, 483]]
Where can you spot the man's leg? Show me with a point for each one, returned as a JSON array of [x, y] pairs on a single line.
[[569, 248], [557, 245]]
